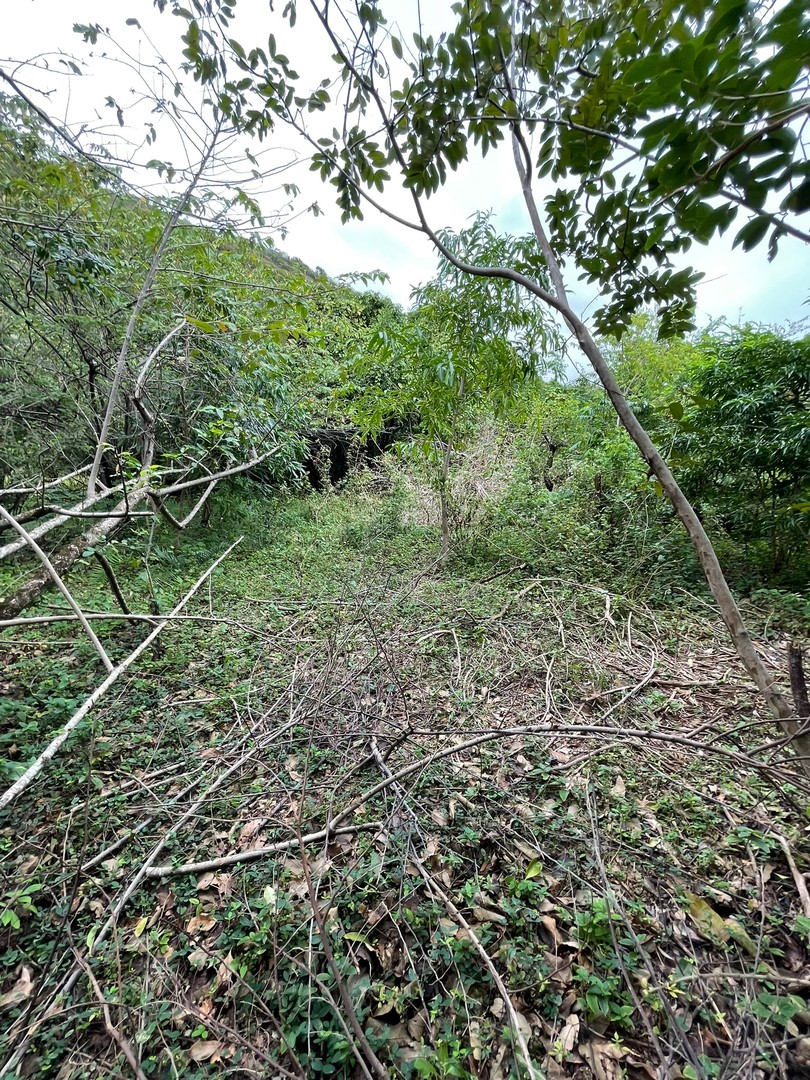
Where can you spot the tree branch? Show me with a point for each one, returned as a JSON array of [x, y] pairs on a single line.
[[33, 770], [63, 589]]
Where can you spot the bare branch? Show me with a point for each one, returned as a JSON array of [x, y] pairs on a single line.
[[56, 579], [30, 774]]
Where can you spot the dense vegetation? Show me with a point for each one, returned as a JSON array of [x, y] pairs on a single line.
[[446, 769]]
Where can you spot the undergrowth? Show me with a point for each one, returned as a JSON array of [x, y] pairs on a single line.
[[525, 775]]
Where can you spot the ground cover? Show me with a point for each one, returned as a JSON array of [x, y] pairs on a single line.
[[362, 815]]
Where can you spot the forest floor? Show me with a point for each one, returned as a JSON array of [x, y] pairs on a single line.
[[364, 816]]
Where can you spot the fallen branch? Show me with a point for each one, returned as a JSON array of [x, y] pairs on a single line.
[[798, 877], [63, 516], [433, 885], [109, 573], [57, 743], [511, 1012], [368, 1054], [112, 1030], [330, 829], [259, 853], [56, 579]]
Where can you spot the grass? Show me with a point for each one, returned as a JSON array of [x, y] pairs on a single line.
[[608, 847]]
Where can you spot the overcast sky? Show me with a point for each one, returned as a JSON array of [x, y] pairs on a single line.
[[738, 286]]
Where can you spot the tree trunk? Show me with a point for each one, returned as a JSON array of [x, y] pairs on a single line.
[[62, 560], [746, 650], [444, 504]]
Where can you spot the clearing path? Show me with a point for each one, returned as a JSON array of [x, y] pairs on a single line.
[[359, 819]]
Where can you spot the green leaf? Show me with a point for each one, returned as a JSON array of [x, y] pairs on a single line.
[[751, 234], [798, 201], [352, 935]]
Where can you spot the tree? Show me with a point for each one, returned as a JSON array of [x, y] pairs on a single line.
[[132, 365], [744, 440], [467, 349], [649, 118]]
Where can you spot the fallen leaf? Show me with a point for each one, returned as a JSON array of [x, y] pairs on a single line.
[[204, 922], [603, 1058], [206, 1050], [198, 959], [20, 991], [483, 915], [28, 867], [618, 788], [738, 934], [710, 925], [550, 924], [570, 1033], [249, 830]]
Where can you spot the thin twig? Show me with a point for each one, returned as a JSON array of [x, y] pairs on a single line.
[[112, 1030]]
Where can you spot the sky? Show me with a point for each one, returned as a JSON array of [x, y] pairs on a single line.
[[737, 286]]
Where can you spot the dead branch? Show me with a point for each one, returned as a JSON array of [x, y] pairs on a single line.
[[56, 744], [45, 484], [60, 519], [53, 574], [370, 1057], [259, 853], [140, 302], [109, 573], [798, 877], [112, 1031]]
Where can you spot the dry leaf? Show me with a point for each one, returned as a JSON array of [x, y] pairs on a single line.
[[203, 922], [570, 1033], [483, 915], [249, 830], [618, 788], [28, 867], [603, 1058], [20, 991], [550, 924], [291, 765], [198, 958], [206, 1050], [224, 972], [710, 925], [738, 934]]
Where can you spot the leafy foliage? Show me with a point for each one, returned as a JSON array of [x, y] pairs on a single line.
[[743, 447], [659, 123]]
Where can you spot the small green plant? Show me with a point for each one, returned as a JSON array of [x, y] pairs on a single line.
[[446, 1060], [17, 903], [604, 997]]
